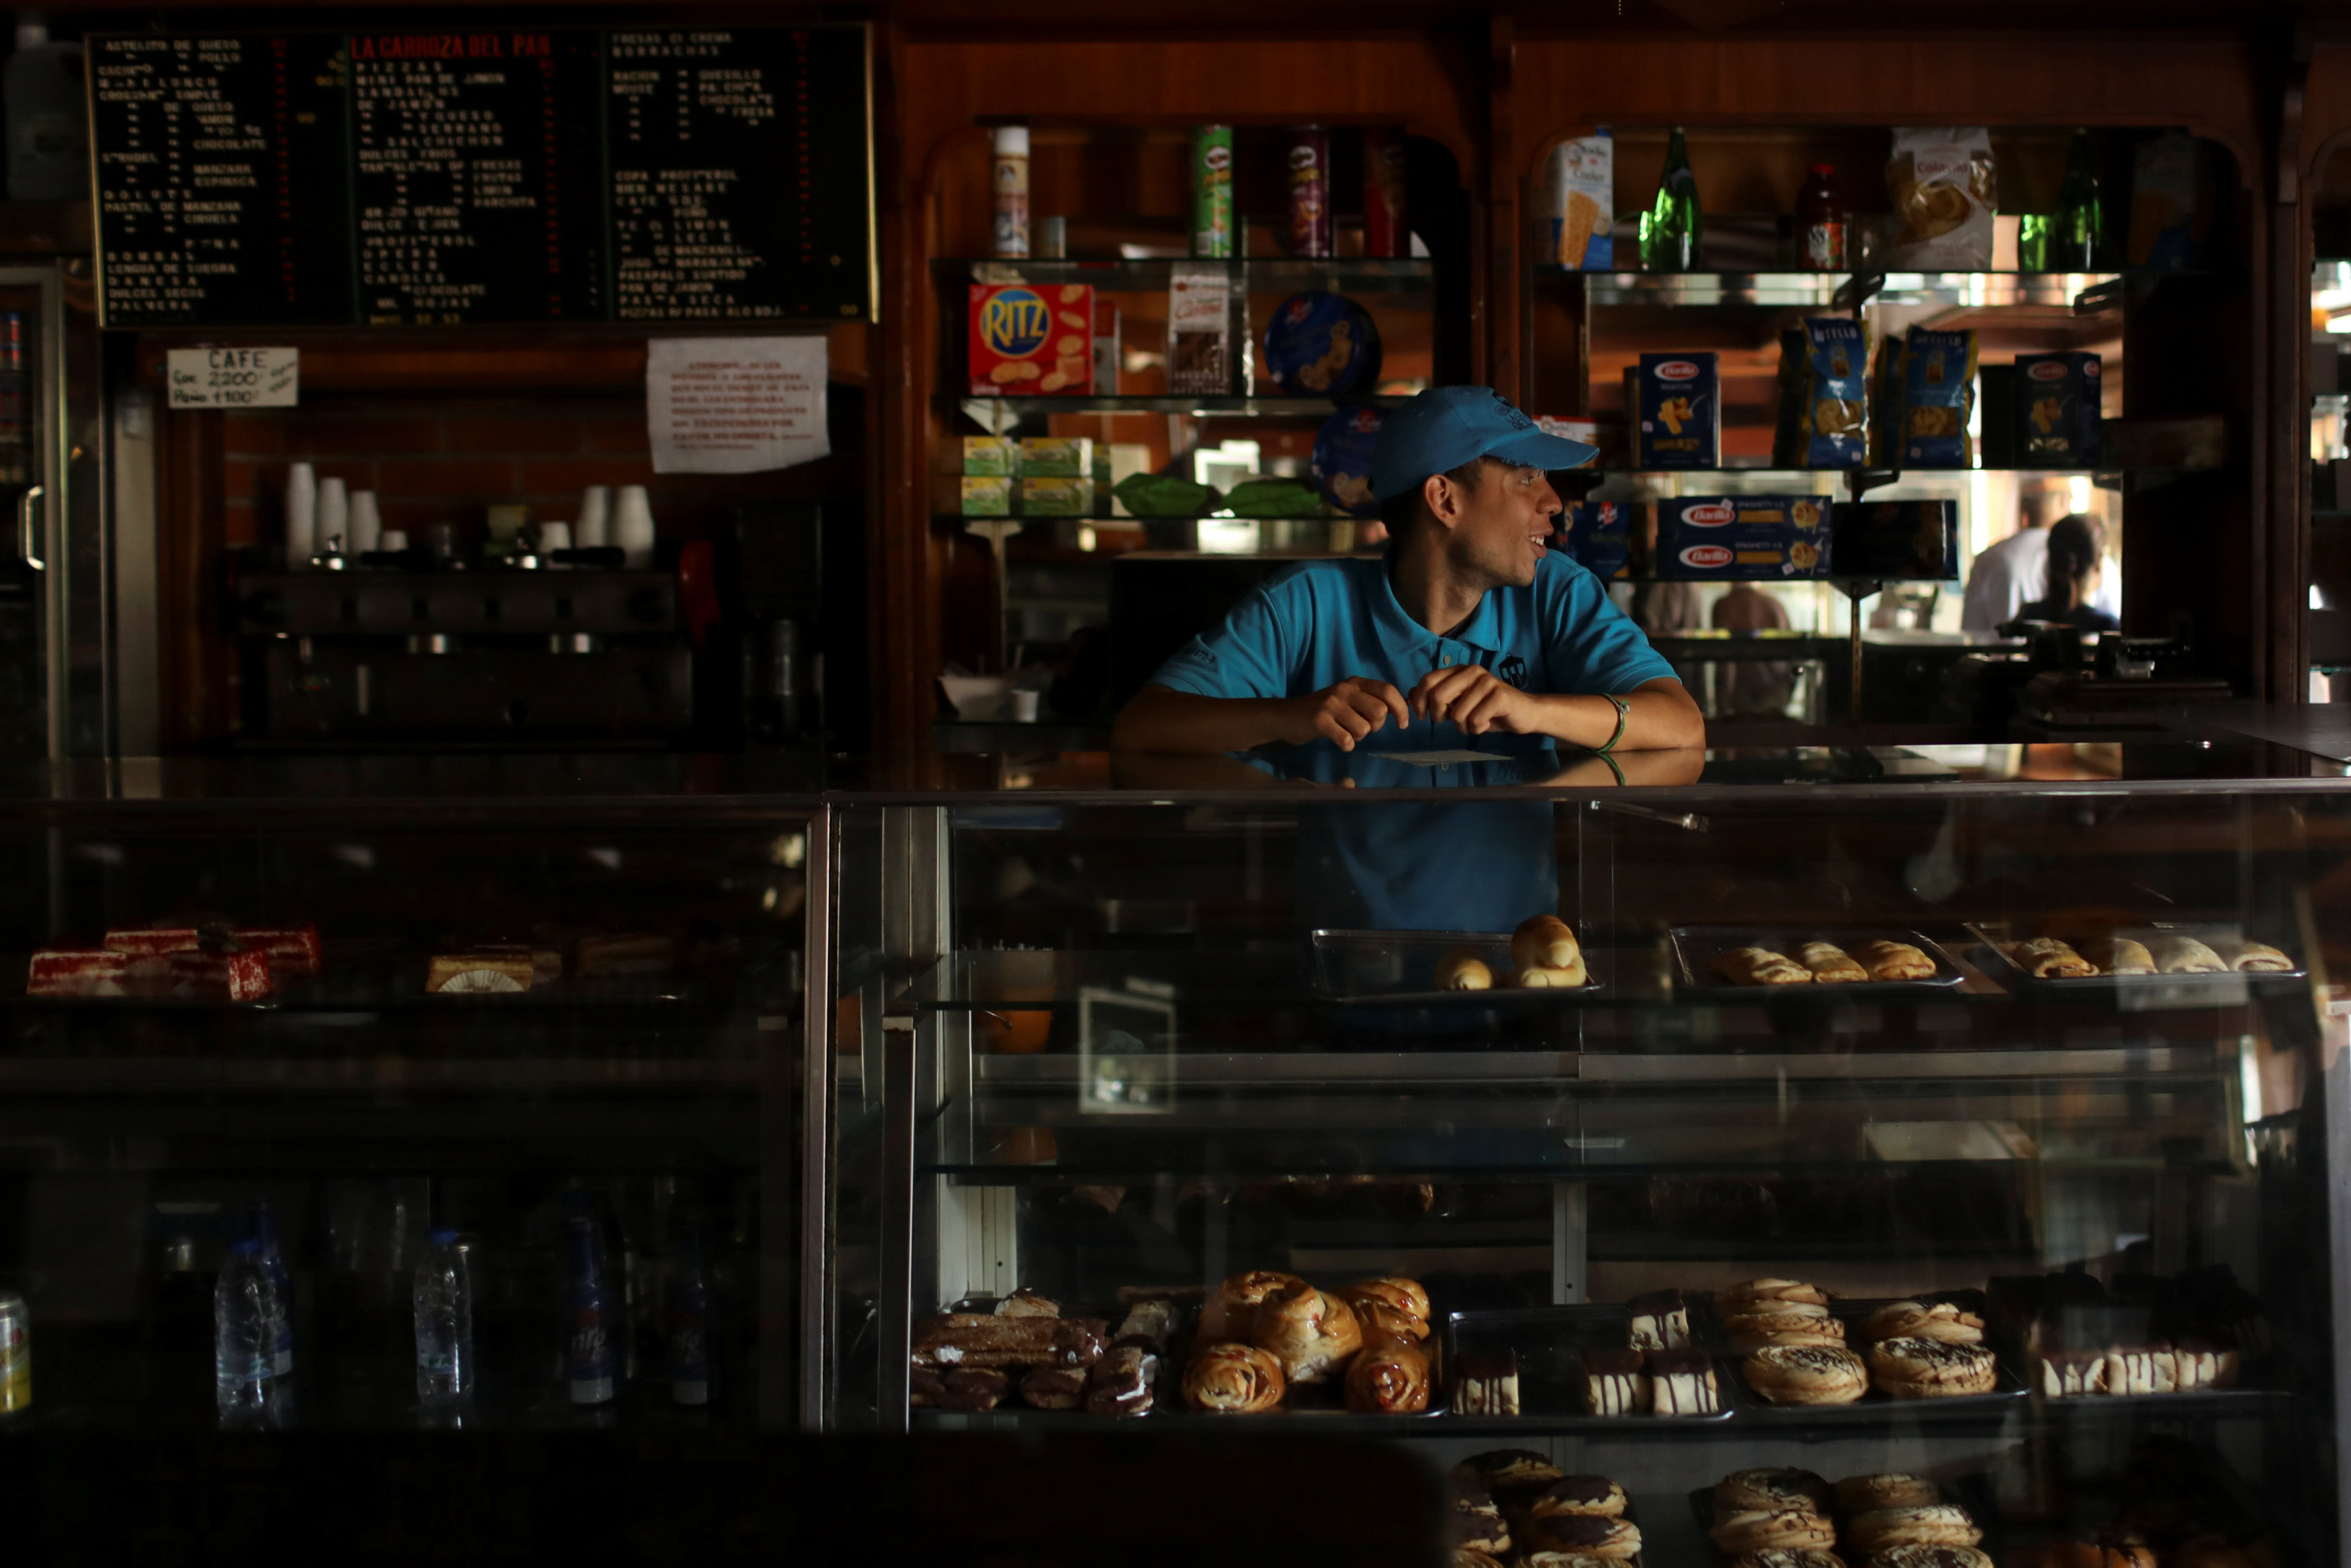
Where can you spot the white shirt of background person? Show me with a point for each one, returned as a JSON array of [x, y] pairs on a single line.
[[2013, 573]]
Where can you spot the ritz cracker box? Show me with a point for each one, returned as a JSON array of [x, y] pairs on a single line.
[[1751, 538], [1674, 402], [1028, 339]]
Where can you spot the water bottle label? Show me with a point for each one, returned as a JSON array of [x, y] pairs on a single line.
[[591, 1390]]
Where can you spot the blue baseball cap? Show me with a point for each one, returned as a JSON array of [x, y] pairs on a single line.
[[1446, 427]]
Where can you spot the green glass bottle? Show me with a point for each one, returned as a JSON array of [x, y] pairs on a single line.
[[1673, 230], [2079, 243]]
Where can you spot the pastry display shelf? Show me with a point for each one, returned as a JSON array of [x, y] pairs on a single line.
[[2082, 293], [1002, 412], [323, 1077], [1345, 275]]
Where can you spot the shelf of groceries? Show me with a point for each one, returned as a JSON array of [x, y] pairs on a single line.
[[2087, 291]]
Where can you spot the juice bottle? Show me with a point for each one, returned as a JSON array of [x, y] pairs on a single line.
[[1820, 224]]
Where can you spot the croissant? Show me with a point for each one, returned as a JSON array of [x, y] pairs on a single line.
[[1407, 1296], [2185, 955], [1830, 964], [1233, 1380], [1230, 1310], [2249, 957], [1887, 960], [2049, 958], [2118, 955], [1760, 966], [1390, 1377], [1310, 1331]]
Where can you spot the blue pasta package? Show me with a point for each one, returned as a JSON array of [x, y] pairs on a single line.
[[1600, 538], [2057, 402], [1823, 394], [1728, 538], [1938, 396], [1674, 403]]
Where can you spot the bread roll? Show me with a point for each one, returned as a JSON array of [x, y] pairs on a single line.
[[2047, 958], [1390, 1305], [2247, 957], [1887, 960], [1388, 1379], [1830, 964], [1233, 1380], [1545, 942], [1459, 969], [1311, 1331], [2184, 955], [2118, 955], [1760, 966], [1538, 977], [1229, 1312]]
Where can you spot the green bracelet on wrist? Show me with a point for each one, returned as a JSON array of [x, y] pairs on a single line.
[[1623, 709]]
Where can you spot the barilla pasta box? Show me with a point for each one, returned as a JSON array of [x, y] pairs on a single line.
[[1674, 402], [1600, 538], [2057, 410], [1938, 394], [1749, 537], [1027, 338], [1057, 457]]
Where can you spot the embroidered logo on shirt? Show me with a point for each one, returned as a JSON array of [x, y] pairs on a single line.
[[1510, 670]]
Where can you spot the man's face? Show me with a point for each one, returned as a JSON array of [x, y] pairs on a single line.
[[1505, 525]]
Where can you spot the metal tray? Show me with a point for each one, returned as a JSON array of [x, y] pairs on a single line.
[[1873, 1405], [2146, 990], [1973, 1492], [1695, 946], [1398, 969], [1549, 1343]]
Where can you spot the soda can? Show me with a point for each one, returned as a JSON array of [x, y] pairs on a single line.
[[1384, 230], [1212, 190], [15, 1354], [1309, 192]]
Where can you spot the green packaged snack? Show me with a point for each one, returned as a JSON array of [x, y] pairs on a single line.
[[1165, 496], [1057, 497], [1057, 457], [990, 455], [1273, 498], [986, 496]]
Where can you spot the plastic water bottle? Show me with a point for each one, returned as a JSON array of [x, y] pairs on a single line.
[[264, 1230], [443, 1298], [48, 123], [246, 1313], [591, 1337], [693, 1322]]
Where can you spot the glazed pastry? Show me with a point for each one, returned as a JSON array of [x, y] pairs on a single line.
[[1508, 1473], [1759, 966], [1928, 1557], [1775, 1529], [1147, 1327], [1887, 960], [983, 1339], [1484, 1384], [1923, 1320], [1931, 1369], [1545, 942], [1867, 1494], [1233, 1380], [1830, 964], [2047, 958], [1593, 1495], [1460, 968], [1028, 1303], [2184, 955], [1770, 1490], [1806, 1375], [1055, 1387], [1790, 1557], [2239, 953], [972, 1389], [1405, 1297], [1119, 1383], [1681, 1383], [1733, 1299], [2118, 955], [2072, 1374], [1580, 1535], [1312, 1331], [1933, 1524], [1230, 1310], [2142, 1369], [1616, 1383], [1389, 1379], [1658, 1320]]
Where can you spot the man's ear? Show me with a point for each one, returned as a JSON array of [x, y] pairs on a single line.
[[1443, 499]]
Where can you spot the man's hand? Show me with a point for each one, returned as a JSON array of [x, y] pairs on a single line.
[[1349, 710], [1474, 700]]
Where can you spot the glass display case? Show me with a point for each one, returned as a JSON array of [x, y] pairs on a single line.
[[412, 1061], [1194, 1056]]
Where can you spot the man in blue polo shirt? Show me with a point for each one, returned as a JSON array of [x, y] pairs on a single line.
[[1469, 624]]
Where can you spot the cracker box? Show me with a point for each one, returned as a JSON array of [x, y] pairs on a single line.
[[2057, 410], [1674, 402], [1028, 339], [1057, 497], [1057, 457], [1582, 182], [996, 455], [1938, 394], [1725, 539], [1199, 331], [988, 495], [1600, 538], [1905, 541]]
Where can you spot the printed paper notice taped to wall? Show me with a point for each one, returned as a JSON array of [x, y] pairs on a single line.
[[735, 405]]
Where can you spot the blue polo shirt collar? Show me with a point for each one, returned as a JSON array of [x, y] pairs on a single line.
[[1402, 636]]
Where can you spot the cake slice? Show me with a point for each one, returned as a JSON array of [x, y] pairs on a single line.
[[1681, 1383], [1485, 1383], [1660, 1320], [1616, 1383], [2073, 1374]]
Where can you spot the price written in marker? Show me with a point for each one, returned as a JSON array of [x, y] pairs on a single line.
[[236, 378]]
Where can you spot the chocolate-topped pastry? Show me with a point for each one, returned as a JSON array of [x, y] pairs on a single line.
[[1659, 1321], [1681, 1383], [1578, 1494], [1480, 1531], [1147, 1326], [1510, 1473], [1054, 1388], [1767, 1528], [1616, 1383], [1867, 1494], [1934, 1368], [1790, 1557], [2204, 1364], [2072, 1374], [1928, 1557], [1486, 1383], [1774, 1487], [984, 1340], [1583, 1536], [1119, 1383], [2142, 1369], [1936, 1524], [1806, 1375]]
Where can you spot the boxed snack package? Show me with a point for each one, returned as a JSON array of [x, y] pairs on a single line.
[[1600, 538], [1938, 382], [1751, 537], [1342, 460], [990, 454], [2057, 423], [1674, 402], [988, 495], [1028, 339], [1911, 541], [1945, 195], [1199, 331], [1056, 457], [1823, 394], [1582, 180], [1060, 496]]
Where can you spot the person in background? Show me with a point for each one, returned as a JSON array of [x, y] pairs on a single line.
[[2077, 560], [2013, 573], [1752, 688]]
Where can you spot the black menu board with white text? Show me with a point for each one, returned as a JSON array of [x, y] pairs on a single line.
[[507, 175]]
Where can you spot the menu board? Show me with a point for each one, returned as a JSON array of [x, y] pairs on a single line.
[[416, 178]]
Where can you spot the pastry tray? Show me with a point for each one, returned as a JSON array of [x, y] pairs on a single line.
[[2146, 990], [1873, 1405], [1549, 1343], [1973, 1492], [1398, 969], [1695, 948]]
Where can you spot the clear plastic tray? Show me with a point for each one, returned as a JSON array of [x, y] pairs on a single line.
[[2189, 988], [1695, 948], [1549, 1343], [1392, 969]]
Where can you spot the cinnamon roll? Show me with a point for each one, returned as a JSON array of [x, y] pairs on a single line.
[[1388, 1379], [1228, 1313], [1312, 1331], [1233, 1380]]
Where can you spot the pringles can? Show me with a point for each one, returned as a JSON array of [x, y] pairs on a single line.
[[1010, 183], [1309, 192], [15, 1354], [1384, 230], [1212, 190]]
